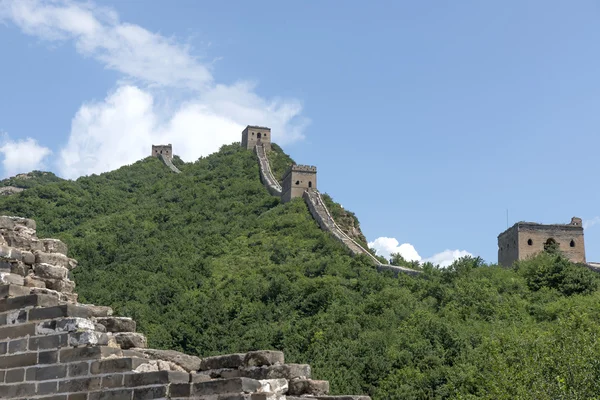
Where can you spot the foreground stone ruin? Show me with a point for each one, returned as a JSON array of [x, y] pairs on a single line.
[[52, 347]]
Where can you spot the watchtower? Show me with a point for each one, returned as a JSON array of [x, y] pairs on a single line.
[[253, 135], [525, 239], [164, 149], [296, 180]]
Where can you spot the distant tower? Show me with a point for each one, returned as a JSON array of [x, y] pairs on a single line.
[[253, 135], [296, 180], [164, 149], [525, 239]]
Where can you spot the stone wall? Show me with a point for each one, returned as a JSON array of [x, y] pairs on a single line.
[[321, 214], [525, 239], [169, 163], [266, 175], [54, 348]]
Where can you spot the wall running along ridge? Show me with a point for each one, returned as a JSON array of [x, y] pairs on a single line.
[[321, 214], [54, 348], [169, 163], [266, 175]]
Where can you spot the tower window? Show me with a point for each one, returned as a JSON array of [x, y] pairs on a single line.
[[309, 184], [258, 135], [530, 242], [550, 244], [297, 182], [572, 244], [252, 133]]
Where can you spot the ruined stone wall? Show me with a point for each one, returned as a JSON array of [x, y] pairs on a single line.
[[266, 175], [54, 348], [525, 239], [167, 160]]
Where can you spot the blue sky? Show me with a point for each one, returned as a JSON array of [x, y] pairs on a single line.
[[428, 119]]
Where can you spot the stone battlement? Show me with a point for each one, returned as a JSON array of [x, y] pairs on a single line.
[[52, 347], [300, 168]]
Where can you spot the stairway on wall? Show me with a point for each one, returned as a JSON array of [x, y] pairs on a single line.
[[54, 348], [169, 163], [266, 175]]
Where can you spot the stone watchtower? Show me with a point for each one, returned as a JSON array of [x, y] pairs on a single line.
[[253, 135], [525, 239], [296, 180], [164, 149]]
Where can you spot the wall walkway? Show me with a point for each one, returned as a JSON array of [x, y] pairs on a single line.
[[169, 164], [266, 175]]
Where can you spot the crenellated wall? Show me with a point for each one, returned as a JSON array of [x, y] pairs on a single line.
[[54, 348]]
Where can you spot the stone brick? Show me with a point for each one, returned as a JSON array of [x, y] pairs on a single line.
[[119, 394], [78, 396], [48, 342], [60, 260], [50, 372], [155, 378], [28, 257], [225, 361], [15, 375], [116, 365], [47, 388], [285, 371], [307, 386], [13, 291], [65, 310], [80, 384], [189, 363], [112, 381], [34, 282], [16, 331], [50, 271], [128, 340], [18, 391], [88, 338], [34, 300], [219, 386], [117, 324], [180, 390], [78, 369], [87, 353], [17, 346], [54, 246], [156, 392], [48, 357], [263, 357], [11, 279], [3, 348]]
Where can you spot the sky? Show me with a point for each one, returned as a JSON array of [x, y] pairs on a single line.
[[438, 123]]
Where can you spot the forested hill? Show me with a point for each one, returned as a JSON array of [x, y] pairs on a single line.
[[208, 262]]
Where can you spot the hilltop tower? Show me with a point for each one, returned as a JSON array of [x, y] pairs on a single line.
[[164, 149], [298, 179], [253, 135], [524, 239]]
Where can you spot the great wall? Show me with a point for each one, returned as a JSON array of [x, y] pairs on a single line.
[[54, 348]]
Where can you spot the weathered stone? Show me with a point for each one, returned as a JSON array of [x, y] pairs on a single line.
[[33, 281], [28, 257], [226, 361], [52, 258], [285, 371], [189, 363], [221, 386], [60, 285], [19, 268], [263, 357], [307, 386], [117, 324], [6, 223], [97, 311], [10, 253], [129, 340], [279, 386], [29, 223], [50, 271], [14, 279], [54, 246], [88, 338], [13, 291]]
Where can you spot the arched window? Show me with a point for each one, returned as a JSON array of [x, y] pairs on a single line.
[[309, 184], [258, 135], [161, 152], [530, 242], [252, 133], [572, 244], [297, 182]]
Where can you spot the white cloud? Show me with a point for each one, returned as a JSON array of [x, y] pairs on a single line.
[[121, 128], [591, 222], [22, 155], [385, 246], [446, 257]]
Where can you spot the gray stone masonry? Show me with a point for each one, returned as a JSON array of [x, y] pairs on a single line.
[[321, 214], [169, 163], [266, 175], [52, 347], [256, 136], [165, 150]]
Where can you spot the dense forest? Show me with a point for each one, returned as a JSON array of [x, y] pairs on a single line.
[[208, 263]]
